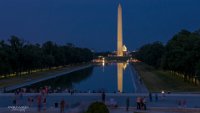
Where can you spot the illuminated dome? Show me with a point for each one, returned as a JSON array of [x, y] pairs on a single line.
[[124, 48]]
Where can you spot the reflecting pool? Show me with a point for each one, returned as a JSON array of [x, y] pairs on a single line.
[[115, 77]]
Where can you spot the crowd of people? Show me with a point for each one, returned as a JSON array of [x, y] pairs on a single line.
[[141, 103], [40, 100], [50, 89]]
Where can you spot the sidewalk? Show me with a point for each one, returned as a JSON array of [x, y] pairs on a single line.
[[157, 110], [170, 101], [78, 109], [116, 110]]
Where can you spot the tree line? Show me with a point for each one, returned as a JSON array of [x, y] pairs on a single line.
[[17, 55], [181, 54]]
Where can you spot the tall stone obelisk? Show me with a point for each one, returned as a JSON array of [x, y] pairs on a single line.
[[119, 32]]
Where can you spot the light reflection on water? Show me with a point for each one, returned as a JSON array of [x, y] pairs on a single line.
[[120, 77]]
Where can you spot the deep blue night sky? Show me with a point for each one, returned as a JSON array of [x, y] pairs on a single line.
[[93, 23]]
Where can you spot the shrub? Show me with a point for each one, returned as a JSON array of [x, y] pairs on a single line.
[[97, 107]]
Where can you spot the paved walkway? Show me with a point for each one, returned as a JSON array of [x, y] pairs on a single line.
[[156, 110], [53, 75], [112, 110], [139, 85], [170, 101]]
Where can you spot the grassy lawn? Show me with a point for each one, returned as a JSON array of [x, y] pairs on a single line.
[[157, 80], [37, 75]]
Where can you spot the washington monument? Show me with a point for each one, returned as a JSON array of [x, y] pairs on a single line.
[[119, 32]]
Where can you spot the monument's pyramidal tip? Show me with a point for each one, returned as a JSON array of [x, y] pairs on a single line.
[[119, 5]]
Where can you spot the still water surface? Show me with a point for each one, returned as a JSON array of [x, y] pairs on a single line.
[[116, 77]]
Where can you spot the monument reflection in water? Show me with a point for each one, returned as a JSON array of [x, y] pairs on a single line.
[[120, 68]]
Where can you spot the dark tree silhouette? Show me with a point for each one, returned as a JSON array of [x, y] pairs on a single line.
[[17, 56], [181, 54]]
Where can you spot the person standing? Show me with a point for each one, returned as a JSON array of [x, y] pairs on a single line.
[[44, 103], [156, 97], [144, 103], [62, 106], [21, 97], [150, 96], [29, 101], [138, 102], [32, 100], [127, 103], [103, 95], [39, 102], [15, 101]]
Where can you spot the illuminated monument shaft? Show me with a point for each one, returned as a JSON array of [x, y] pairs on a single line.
[[119, 32]]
